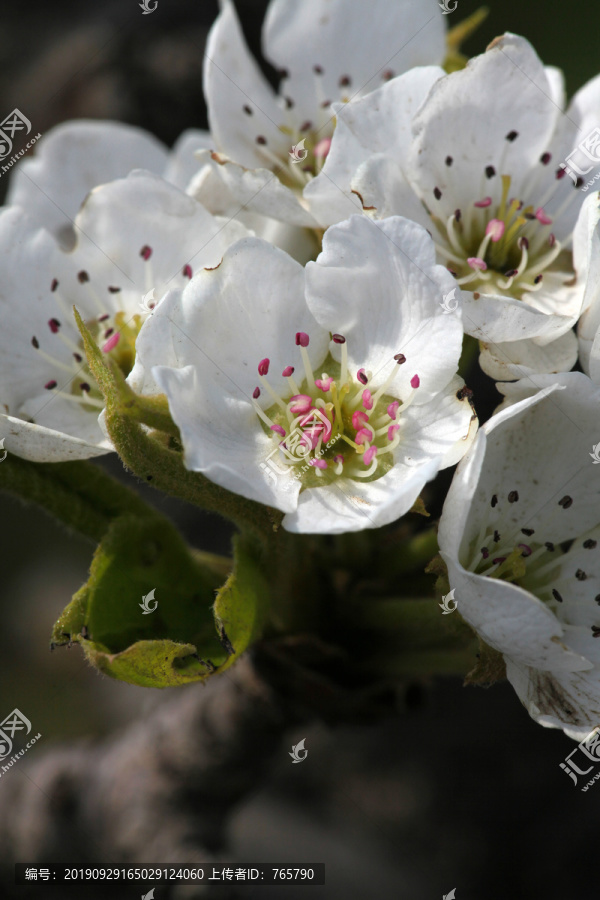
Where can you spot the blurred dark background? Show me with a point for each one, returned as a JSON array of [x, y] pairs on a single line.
[[462, 791]]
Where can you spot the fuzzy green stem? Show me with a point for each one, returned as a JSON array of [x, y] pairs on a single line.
[[41, 484], [164, 470], [79, 494], [151, 411]]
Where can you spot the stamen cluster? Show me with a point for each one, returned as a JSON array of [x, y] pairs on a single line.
[[334, 424]]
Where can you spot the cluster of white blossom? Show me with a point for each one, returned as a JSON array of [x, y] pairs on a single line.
[[298, 282]]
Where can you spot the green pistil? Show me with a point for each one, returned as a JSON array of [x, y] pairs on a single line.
[[513, 568]]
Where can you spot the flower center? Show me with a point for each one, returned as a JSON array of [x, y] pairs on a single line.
[[116, 337], [309, 141], [333, 425], [505, 247], [115, 332], [306, 155]]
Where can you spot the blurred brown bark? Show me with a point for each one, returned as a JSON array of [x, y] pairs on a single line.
[[159, 792]]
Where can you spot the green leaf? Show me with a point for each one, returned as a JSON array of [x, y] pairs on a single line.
[[137, 557], [186, 638], [41, 483], [242, 605], [152, 663]]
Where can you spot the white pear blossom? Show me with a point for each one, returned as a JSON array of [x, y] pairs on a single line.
[[134, 238], [520, 534], [588, 329], [481, 165], [329, 393], [324, 53], [75, 157]]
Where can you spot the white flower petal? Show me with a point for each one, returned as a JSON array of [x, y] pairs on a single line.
[[556, 82], [494, 318], [463, 518], [377, 284], [233, 81], [488, 117], [229, 318], [446, 424], [39, 444], [183, 162], [73, 158], [586, 249], [351, 505], [512, 621], [26, 306], [223, 439], [519, 359], [363, 43], [567, 700], [377, 125], [260, 191], [383, 190], [560, 430], [120, 218]]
